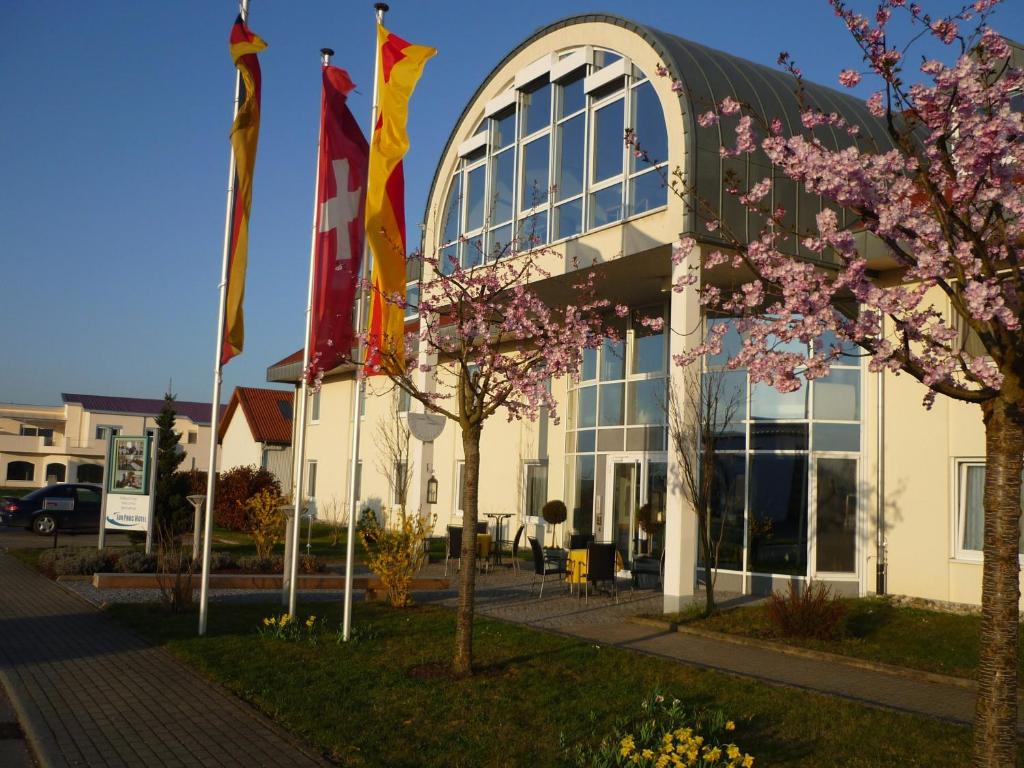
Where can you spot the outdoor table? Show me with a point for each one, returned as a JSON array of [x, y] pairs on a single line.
[[498, 518]]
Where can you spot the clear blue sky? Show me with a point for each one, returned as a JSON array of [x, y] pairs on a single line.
[[114, 153]]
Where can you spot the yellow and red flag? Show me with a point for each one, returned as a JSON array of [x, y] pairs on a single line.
[[245, 131], [401, 65]]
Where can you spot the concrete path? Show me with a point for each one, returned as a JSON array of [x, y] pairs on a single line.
[[505, 596], [89, 693]]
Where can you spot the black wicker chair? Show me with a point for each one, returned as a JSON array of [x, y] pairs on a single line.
[[601, 568], [580, 540], [544, 565], [515, 548], [453, 546]]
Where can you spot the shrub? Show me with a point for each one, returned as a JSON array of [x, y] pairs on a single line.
[[77, 561], [367, 522], [221, 561], [136, 562], [266, 520], [234, 489], [664, 733], [813, 612], [396, 553], [311, 564], [261, 564]]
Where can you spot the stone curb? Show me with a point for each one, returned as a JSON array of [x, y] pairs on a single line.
[[920, 676]]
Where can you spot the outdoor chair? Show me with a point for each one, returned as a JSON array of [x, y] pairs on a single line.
[[453, 548], [580, 540], [544, 565], [647, 569], [481, 526], [515, 548], [601, 568]]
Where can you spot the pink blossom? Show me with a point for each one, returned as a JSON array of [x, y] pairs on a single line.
[[729, 106], [849, 78], [707, 119]]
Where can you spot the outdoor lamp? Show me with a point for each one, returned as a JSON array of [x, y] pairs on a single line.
[[432, 489]]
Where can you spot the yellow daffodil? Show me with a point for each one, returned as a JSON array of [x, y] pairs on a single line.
[[730, 726], [748, 761], [732, 751]]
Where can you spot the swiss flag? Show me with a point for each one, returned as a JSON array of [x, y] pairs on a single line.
[[340, 232]]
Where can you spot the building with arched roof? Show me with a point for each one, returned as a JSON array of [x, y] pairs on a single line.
[[832, 482]]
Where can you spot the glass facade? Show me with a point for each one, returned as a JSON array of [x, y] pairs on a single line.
[[787, 469], [554, 165]]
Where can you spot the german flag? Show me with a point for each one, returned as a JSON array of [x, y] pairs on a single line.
[[401, 65], [244, 45]]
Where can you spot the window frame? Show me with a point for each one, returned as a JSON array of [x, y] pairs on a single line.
[[958, 477], [534, 464]]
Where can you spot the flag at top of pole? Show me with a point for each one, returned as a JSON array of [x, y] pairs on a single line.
[[399, 68], [340, 208], [244, 46]]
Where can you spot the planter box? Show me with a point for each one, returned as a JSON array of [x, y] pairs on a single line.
[[372, 586]]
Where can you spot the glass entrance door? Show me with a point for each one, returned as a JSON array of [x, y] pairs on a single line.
[[637, 493], [835, 480]]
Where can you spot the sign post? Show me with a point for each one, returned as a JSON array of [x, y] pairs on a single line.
[[130, 487]]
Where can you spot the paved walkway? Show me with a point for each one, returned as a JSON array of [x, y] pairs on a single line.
[[89, 693], [507, 597]]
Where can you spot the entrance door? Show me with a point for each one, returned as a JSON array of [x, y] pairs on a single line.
[[835, 494], [635, 484]]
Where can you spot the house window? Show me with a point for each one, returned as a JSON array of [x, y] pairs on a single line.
[[56, 472], [192, 438], [404, 401], [970, 476], [314, 407], [105, 431], [536, 488], [22, 471], [310, 479], [90, 473]]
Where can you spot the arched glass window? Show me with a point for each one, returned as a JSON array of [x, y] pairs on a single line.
[[56, 471], [21, 470], [555, 164], [90, 473]]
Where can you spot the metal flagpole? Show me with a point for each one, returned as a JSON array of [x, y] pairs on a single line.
[[211, 474], [300, 464], [350, 544]]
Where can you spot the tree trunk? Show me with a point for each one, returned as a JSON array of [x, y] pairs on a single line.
[[462, 664], [703, 530], [995, 715]]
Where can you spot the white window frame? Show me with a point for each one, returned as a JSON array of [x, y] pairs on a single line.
[[106, 431], [311, 480], [527, 465], [314, 406], [958, 479]]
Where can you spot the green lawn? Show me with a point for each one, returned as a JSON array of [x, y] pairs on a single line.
[[15, 492], [873, 629], [384, 699]]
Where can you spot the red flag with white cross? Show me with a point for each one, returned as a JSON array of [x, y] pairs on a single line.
[[340, 231]]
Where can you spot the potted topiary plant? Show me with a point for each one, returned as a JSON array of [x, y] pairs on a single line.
[[554, 513]]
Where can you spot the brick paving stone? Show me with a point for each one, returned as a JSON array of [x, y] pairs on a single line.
[[89, 693]]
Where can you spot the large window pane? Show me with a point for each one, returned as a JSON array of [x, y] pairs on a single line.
[[727, 391], [727, 493], [612, 396], [646, 402], [648, 345], [837, 396], [536, 488], [837, 437], [583, 495], [649, 126], [533, 230], [503, 168], [589, 367], [657, 498], [588, 407], [571, 97], [537, 106], [586, 440], [475, 180], [766, 402], [534, 189], [569, 165], [504, 129], [613, 359], [609, 135], [778, 514], [972, 509], [778, 436], [449, 258], [451, 218], [836, 532], [499, 242], [569, 219], [473, 252], [646, 192], [606, 206], [731, 340]]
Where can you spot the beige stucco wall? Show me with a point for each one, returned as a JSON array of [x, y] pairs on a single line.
[[238, 449]]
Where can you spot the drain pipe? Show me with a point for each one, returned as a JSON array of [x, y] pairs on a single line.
[[880, 558]]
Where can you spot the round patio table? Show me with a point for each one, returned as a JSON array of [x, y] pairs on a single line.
[[499, 540]]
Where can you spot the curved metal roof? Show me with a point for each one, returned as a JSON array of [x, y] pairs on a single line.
[[709, 76]]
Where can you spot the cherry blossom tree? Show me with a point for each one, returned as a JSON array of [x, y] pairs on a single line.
[[945, 199], [486, 342]]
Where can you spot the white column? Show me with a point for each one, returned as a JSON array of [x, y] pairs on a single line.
[[680, 522]]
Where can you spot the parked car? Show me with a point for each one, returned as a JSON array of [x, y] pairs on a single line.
[[65, 507]]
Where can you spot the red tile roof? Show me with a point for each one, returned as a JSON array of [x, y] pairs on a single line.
[[268, 412], [139, 406]]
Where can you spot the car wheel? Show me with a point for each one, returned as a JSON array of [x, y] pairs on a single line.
[[44, 525]]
